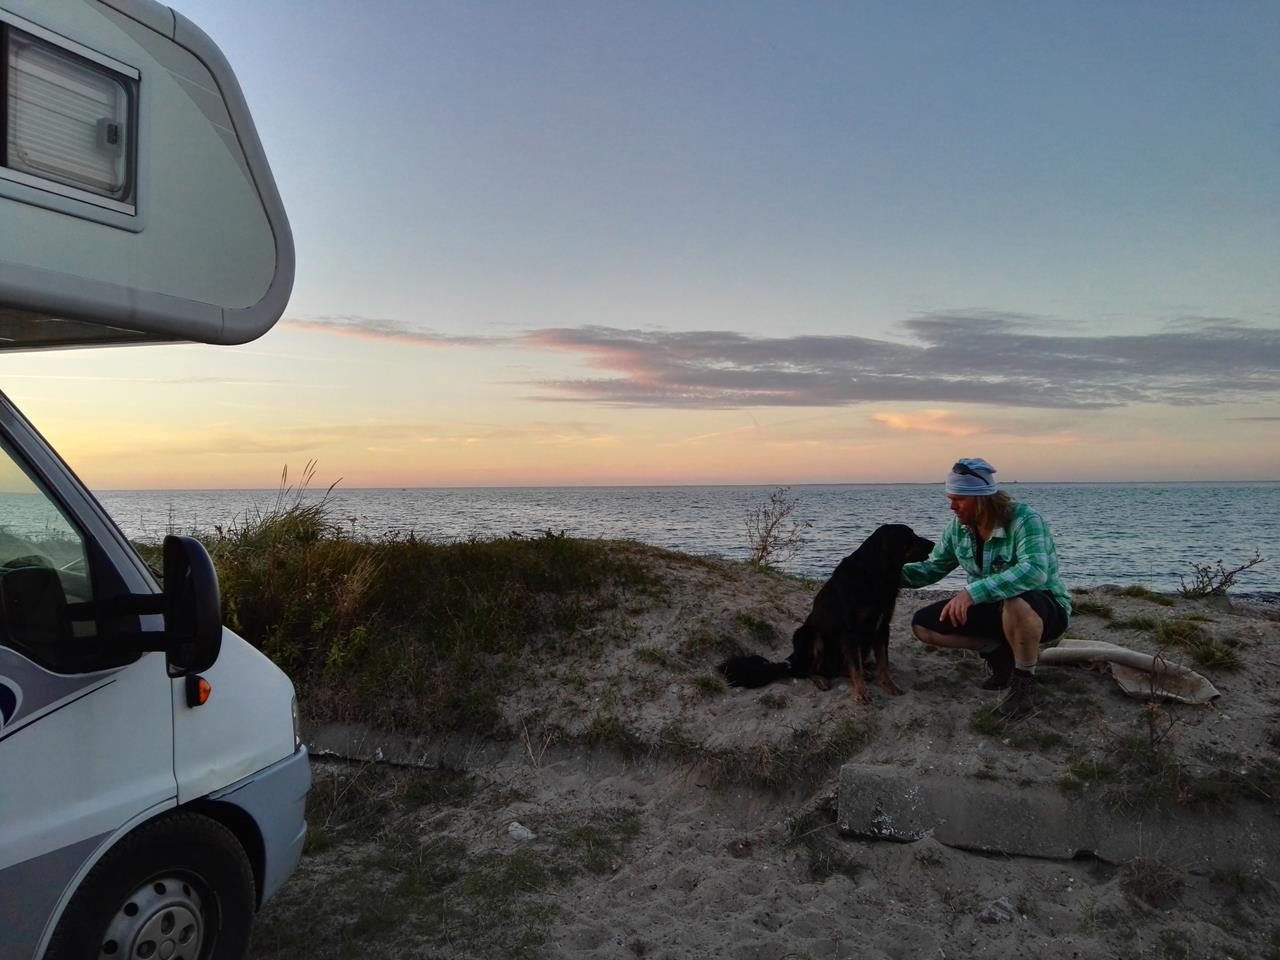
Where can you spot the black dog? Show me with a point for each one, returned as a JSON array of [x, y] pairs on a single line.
[[849, 620]]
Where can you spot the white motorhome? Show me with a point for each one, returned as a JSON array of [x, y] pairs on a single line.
[[152, 779]]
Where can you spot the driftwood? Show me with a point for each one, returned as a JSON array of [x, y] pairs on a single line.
[[1138, 674]]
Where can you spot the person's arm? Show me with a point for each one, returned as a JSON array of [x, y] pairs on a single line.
[[941, 561], [1030, 571]]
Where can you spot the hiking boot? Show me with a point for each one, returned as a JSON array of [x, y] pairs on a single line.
[[1021, 700], [1000, 663]]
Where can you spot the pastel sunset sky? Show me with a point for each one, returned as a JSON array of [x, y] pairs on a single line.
[[742, 242]]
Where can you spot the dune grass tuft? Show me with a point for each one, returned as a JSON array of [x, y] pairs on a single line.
[[1143, 593]]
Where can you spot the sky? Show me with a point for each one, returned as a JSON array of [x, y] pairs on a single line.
[[731, 242]]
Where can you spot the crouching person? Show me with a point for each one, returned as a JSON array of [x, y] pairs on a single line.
[[1014, 604]]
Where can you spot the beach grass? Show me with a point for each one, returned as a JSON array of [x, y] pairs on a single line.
[[407, 634], [1143, 593]]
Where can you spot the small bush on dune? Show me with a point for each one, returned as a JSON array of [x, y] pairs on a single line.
[[1214, 580], [774, 536]]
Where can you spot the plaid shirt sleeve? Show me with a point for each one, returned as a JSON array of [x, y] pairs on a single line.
[[941, 561], [1031, 547]]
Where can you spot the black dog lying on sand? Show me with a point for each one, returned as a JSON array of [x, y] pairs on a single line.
[[849, 620]]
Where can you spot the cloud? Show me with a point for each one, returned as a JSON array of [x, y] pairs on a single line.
[[231, 440], [374, 328], [955, 357], [925, 421], [1006, 360], [150, 381], [236, 440]]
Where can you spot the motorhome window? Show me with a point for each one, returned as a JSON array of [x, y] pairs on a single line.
[[43, 567], [67, 120]]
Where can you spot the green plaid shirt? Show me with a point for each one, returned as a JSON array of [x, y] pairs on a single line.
[[1014, 560]]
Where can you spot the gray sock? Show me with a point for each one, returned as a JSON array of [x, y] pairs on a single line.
[[1026, 667]]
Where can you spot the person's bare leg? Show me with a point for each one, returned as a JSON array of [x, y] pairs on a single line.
[[1022, 628], [953, 641]]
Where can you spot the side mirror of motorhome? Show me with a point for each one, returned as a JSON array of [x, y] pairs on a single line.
[[192, 607], [35, 613]]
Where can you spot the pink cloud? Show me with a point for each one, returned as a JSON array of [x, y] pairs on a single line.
[[365, 328], [925, 421]]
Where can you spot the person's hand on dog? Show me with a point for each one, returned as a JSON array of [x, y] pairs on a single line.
[[956, 612]]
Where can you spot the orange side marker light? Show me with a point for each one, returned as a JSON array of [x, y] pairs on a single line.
[[198, 691]]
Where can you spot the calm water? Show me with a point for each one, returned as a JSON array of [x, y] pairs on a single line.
[[1106, 533]]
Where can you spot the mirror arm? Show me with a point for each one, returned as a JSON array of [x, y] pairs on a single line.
[[134, 605], [144, 641]]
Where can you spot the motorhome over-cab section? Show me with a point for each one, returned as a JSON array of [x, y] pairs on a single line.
[[135, 200]]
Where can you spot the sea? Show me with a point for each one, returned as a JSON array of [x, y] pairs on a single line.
[[1147, 534]]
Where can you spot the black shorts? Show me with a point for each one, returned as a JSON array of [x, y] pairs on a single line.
[[984, 618]]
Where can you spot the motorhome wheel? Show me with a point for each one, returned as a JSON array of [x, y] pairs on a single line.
[[180, 888]]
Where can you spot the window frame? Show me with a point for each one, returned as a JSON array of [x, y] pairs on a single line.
[[83, 200], [113, 569]]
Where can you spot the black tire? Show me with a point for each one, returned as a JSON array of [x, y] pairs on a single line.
[[181, 884]]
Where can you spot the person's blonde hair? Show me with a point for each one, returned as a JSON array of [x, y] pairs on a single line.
[[995, 510]]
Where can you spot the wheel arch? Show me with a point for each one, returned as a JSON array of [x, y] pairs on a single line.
[[245, 829]]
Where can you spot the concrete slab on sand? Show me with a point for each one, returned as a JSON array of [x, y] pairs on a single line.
[[1038, 820]]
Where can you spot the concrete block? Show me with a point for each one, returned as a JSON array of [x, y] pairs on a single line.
[[1039, 820]]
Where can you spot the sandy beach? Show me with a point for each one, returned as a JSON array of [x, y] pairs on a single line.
[[642, 809]]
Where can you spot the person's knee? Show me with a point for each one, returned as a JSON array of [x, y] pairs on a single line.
[[924, 634], [924, 623], [1016, 609], [1014, 605], [1020, 621], [922, 617]]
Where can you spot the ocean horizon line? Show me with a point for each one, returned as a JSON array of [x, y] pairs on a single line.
[[336, 487]]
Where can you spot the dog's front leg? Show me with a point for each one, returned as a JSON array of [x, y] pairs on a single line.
[[857, 683], [882, 665], [858, 686], [886, 682]]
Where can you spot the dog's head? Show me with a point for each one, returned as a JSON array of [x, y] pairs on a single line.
[[896, 544]]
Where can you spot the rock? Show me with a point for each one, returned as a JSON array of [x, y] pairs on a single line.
[[999, 910], [518, 831]]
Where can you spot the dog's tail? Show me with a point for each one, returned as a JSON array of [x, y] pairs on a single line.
[[753, 670]]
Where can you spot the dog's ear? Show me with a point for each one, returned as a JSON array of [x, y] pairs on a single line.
[[884, 539], [893, 543]]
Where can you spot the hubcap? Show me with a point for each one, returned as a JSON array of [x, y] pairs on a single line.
[[161, 920]]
